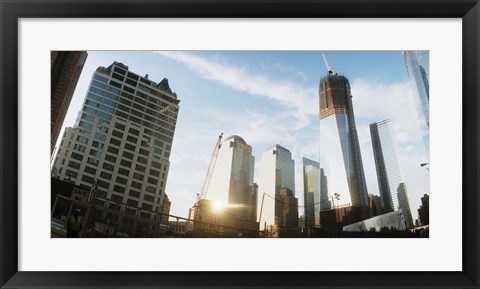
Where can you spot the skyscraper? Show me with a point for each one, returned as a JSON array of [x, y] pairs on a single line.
[[393, 190], [340, 155], [277, 171], [311, 191], [66, 67], [122, 138], [231, 185], [417, 64]]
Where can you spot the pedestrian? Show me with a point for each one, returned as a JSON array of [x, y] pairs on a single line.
[[74, 224]]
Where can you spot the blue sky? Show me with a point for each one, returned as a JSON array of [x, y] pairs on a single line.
[[271, 97]]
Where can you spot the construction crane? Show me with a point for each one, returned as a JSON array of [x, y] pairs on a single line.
[[329, 67], [213, 161]]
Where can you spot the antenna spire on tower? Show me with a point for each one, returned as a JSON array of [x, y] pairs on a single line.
[[329, 67]]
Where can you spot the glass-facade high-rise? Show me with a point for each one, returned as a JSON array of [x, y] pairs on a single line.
[[277, 171], [231, 185], [417, 63], [66, 67], [122, 139], [393, 190], [340, 156], [311, 192]]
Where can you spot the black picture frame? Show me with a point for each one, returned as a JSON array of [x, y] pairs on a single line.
[[11, 11]]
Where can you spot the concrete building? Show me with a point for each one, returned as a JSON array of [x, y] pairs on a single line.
[[340, 155], [122, 140], [392, 187], [423, 211], [66, 67], [277, 171]]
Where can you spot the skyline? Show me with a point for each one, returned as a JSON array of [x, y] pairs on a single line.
[[270, 98]]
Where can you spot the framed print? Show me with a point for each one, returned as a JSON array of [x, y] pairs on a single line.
[[262, 144]]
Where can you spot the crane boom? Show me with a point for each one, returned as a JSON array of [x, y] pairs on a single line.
[[213, 161], [329, 67]]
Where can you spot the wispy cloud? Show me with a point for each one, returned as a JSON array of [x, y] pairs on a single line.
[[290, 94]]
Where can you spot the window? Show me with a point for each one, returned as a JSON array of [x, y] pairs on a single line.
[[95, 153], [117, 133], [136, 185], [152, 181], [140, 168], [77, 156], [123, 171], [90, 170], [143, 152], [115, 84], [132, 203], [82, 139], [97, 144], [126, 88], [117, 198], [74, 165], [125, 163], [156, 165], [121, 180], [119, 70], [106, 175], [132, 139], [147, 207], [92, 161], [138, 176], [154, 173], [148, 198], [142, 160], [130, 147], [71, 174], [133, 131], [134, 193], [119, 126], [112, 150], [100, 137], [117, 76], [150, 189], [100, 78], [102, 184], [108, 167], [119, 189], [110, 158], [128, 155], [115, 141], [79, 148], [88, 179]]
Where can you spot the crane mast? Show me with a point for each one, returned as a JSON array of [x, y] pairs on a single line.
[[213, 161]]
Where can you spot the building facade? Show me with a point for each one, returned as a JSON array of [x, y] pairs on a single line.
[[277, 171], [66, 67], [311, 192], [423, 211], [417, 64], [392, 187], [418, 69], [340, 155], [231, 186], [122, 141]]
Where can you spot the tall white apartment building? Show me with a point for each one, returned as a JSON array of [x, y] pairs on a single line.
[[122, 139]]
